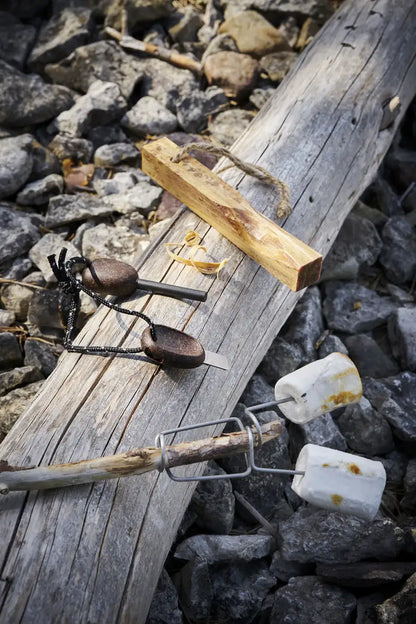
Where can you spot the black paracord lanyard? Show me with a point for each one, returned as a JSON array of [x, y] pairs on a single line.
[[71, 286]]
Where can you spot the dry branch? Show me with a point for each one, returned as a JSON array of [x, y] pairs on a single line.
[[134, 462]]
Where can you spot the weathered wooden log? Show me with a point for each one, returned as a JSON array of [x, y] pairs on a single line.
[[94, 553]]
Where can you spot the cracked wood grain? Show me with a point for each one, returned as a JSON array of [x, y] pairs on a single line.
[[93, 554]]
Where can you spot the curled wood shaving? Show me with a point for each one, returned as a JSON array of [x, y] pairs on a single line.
[[193, 239]]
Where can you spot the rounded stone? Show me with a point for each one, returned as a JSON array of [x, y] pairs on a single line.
[[110, 277]]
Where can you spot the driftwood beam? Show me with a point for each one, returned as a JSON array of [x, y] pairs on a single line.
[[61, 550], [131, 463]]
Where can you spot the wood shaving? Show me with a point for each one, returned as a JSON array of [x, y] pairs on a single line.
[[192, 239]]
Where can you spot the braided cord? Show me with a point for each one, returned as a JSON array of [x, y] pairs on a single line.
[[73, 286]]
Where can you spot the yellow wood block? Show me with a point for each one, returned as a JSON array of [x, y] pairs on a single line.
[[286, 257]]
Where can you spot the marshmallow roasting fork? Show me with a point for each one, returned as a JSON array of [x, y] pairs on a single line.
[[325, 477]]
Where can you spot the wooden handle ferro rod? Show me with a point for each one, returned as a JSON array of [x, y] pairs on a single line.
[[134, 462], [286, 257]]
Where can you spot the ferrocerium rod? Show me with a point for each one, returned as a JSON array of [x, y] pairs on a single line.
[[171, 290], [134, 462]]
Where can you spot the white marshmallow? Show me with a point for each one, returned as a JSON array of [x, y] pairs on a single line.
[[339, 481], [319, 387]]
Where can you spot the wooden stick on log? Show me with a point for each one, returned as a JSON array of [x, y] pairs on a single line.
[[286, 257], [134, 462], [320, 132]]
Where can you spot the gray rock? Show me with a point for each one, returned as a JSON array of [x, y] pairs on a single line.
[[17, 269], [357, 245], [369, 357], [219, 43], [41, 356], [235, 73], [102, 104], [191, 113], [164, 607], [14, 403], [104, 135], [260, 96], [212, 18], [322, 431], [44, 309], [402, 335], [139, 11], [10, 352], [305, 599], [7, 318], [402, 166], [318, 9], [116, 154], [45, 162], [408, 502], [223, 593], [351, 308], [384, 197], [400, 608], [290, 30], [75, 148], [278, 64], [167, 83], [226, 578], [262, 490], [39, 192], [50, 244], [227, 126], [258, 390], [16, 298], [365, 574], [16, 40], [365, 429], [103, 60], [149, 117], [215, 549], [120, 243], [70, 208], [374, 215], [15, 163], [306, 324], [119, 183], [395, 464], [285, 570], [25, 9], [254, 34], [18, 233], [213, 502], [329, 537], [184, 24], [63, 33], [395, 399], [194, 109], [143, 197], [331, 344], [282, 358], [400, 295], [398, 256], [25, 99], [18, 377]]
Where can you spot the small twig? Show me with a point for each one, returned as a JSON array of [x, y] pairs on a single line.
[[283, 209], [28, 284], [130, 43], [134, 462]]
